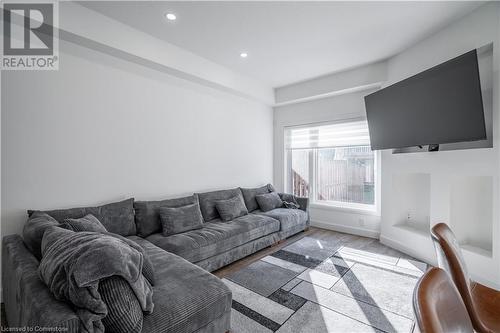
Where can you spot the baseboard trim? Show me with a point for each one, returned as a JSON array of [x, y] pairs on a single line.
[[345, 228], [403, 248]]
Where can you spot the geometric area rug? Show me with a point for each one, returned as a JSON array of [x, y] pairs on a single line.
[[339, 283]]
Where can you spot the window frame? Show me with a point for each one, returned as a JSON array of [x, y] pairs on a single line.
[[313, 174]]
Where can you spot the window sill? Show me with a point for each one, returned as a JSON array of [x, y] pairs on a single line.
[[354, 209]]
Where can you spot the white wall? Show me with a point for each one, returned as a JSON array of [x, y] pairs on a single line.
[[101, 129], [447, 169]]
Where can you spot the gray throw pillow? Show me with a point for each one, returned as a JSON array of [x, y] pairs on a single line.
[[207, 202], [269, 201], [34, 229], [249, 195], [124, 310], [180, 219], [147, 213], [231, 208], [87, 223]]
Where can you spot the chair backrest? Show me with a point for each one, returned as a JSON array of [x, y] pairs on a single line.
[[438, 306], [451, 260]]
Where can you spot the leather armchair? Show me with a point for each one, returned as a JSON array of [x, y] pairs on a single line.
[[438, 305], [482, 303]]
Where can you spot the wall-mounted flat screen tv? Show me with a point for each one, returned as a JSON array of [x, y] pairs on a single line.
[[440, 105]]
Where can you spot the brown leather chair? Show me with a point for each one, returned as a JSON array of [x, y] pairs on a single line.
[[482, 303], [438, 306]]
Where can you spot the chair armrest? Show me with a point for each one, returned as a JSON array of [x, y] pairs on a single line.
[[28, 301]]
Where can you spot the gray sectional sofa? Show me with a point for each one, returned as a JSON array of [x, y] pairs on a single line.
[[187, 298]]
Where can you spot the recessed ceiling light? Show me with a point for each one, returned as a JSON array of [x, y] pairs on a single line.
[[170, 16], [243, 54]]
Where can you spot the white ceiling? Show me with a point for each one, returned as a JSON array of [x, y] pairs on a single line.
[[288, 41]]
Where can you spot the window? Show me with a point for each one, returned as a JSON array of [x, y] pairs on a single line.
[[300, 172], [332, 164]]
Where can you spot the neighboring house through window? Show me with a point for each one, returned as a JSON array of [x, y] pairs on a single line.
[[332, 164]]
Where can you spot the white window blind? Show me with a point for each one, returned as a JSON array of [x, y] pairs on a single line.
[[353, 133]]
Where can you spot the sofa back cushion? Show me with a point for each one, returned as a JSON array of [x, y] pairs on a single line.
[[116, 217], [34, 229], [180, 219], [208, 199], [250, 193], [147, 213], [269, 201]]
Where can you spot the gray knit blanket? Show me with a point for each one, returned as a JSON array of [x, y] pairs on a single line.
[[73, 263]]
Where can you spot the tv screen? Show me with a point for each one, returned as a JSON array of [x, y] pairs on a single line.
[[440, 105]]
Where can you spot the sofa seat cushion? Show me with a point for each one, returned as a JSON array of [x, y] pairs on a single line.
[[216, 237], [289, 218], [186, 297]]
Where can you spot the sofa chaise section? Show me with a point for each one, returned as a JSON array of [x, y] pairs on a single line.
[[186, 297]]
